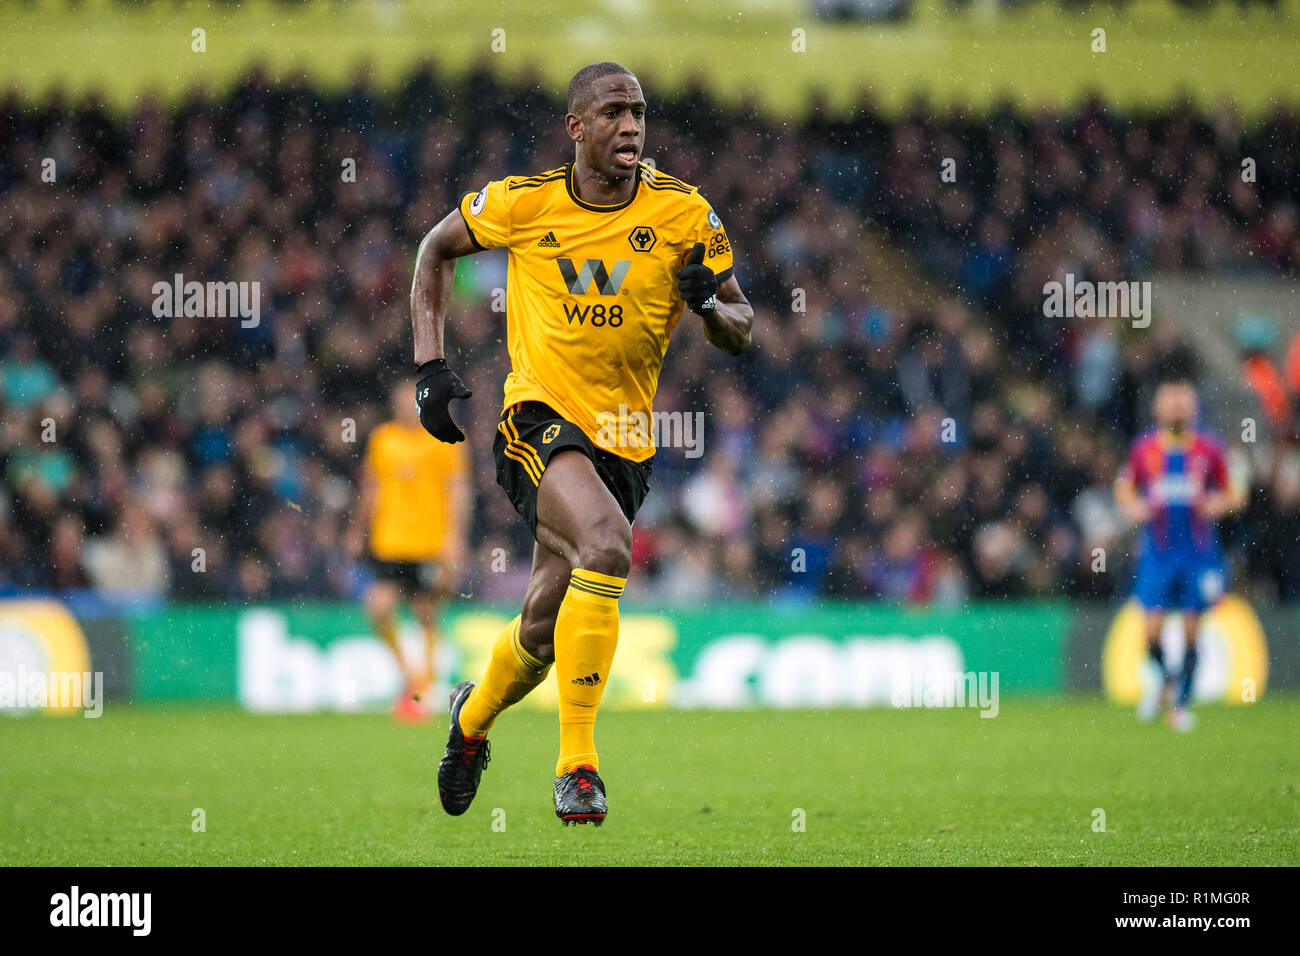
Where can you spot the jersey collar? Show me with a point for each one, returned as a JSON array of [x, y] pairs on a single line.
[[592, 207]]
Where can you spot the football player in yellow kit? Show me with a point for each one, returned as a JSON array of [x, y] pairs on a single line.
[[605, 255], [414, 511]]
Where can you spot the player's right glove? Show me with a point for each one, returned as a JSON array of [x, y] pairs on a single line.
[[436, 387]]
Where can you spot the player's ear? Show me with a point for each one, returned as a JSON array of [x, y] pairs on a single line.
[[573, 126]]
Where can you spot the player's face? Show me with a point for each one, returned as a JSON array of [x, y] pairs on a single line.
[[613, 127], [1175, 407]]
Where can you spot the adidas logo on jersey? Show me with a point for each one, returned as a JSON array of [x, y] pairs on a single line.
[[549, 241], [591, 680]]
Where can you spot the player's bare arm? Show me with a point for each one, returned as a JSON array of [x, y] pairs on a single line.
[[1219, 504], [460, 515], [727, 315], [355, 542], [729, 325], [1131, 502], [435, 272]]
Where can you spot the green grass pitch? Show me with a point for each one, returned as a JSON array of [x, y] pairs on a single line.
[[872, 787]]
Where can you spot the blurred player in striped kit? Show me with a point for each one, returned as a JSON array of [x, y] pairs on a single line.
[[1176, 486]]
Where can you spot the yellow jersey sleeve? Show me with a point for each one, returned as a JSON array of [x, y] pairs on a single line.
[[717, 247], [487, 215]]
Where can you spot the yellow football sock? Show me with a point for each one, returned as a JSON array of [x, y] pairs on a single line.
[[429, 675], [586, 634], [511, 674]]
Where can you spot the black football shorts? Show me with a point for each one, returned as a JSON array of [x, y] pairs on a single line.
[[410, 576], [529, 433]]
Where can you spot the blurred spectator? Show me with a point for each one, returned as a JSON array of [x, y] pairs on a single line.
[[130, 562]]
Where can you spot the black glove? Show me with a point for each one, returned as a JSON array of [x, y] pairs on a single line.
[[436, 387], [697, 282]]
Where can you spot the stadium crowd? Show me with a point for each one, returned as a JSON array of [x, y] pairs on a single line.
[[860, 449]]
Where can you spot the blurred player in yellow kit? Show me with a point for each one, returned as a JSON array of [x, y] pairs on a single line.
[[415, 508]]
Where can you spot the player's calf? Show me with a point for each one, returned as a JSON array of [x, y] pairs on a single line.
[[547, 586]]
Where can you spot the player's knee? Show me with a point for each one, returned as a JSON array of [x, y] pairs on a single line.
[[381, 601], [424, 612], [607, 548]]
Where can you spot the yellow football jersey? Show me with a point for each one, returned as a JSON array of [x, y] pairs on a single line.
[[591, 293], [413, 474]]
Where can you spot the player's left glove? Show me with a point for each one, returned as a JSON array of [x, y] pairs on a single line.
[[697, 282], [436, 386]]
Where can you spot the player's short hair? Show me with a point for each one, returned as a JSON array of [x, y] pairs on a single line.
[[1175, 372], [582, 82]]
